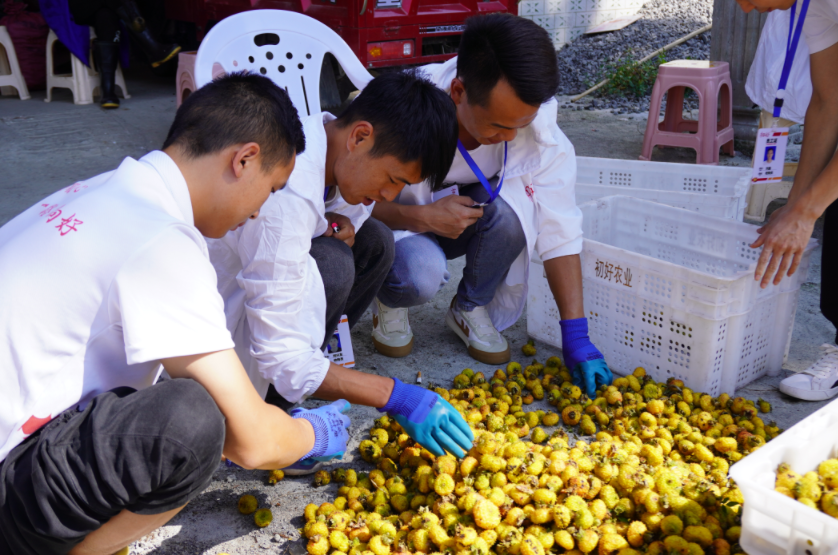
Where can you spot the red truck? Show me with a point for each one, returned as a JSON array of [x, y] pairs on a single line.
[[381, 32]]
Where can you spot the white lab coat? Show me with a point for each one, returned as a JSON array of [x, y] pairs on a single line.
[[539, 185], [764, 76], [273, 295]]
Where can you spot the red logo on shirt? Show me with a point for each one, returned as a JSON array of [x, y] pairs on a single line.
[[530, 191], [68, 224], [75, 188], [34, 424]]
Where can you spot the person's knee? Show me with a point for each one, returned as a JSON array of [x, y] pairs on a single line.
[[428, 278], [191, 418], [378, 238], [505, 221], [336, 264]]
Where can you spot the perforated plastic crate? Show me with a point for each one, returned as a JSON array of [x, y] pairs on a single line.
[[715, 191], [673, 291], [773, 524]]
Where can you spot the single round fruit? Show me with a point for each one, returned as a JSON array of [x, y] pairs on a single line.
[[247, 504]]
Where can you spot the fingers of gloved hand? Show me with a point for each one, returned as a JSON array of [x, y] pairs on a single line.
[[429, 442], [329, 457], [451, 429], [448, 443], [341, 405], [460, 422]]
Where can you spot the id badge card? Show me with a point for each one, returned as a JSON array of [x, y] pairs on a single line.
[[442, 193], [339, 348], [770, 154]]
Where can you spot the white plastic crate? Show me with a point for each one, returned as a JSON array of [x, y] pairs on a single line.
[[716, 191], [773, 524], [673, 291]]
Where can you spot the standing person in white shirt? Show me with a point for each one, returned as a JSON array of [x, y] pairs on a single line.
[[104, 281], [286, 276], [503, 82], [815, 190]]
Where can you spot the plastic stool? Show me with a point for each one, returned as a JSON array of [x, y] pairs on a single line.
[[185, 78], [82, 81], [707, 134], [10, 75]]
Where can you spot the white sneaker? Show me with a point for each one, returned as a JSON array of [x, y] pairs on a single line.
[[485, 343], [818, 382], [391, 332]]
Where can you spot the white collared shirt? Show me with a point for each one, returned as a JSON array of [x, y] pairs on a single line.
[[274, 297], [539, 185], [98, 283]]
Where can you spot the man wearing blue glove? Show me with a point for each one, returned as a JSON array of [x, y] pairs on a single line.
[[508, 196], [104, 282], [285, 279]]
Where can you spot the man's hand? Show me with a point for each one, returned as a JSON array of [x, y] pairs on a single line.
[[783, 240], [450, 216], [429, 419], [331, 429], [346, 231], [587, 365]]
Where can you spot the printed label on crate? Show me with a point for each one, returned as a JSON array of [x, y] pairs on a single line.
[[339, 347], [613, 273], [770, 154]]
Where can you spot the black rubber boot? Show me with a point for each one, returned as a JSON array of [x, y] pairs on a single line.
[[157, 53], [107, 56]]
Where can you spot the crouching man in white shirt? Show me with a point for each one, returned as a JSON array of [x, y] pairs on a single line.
[[104, 281], [284, 274], [509, 194]]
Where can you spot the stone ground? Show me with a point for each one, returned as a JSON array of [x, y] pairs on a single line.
[[47, 146]]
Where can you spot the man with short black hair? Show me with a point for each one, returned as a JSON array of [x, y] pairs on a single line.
[[314, 254], [509, 193], [103, 282]]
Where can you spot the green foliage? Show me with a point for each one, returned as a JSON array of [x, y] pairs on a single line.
[[627, 78]]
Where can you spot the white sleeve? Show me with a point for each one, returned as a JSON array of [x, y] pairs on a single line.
[[558, 219], [165, 300], [284, 297], [820, 27], [358, 213]]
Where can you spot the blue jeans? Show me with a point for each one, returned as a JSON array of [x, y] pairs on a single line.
[[490, 246]]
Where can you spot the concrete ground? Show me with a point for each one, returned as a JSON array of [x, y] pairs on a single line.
[[47, 146]]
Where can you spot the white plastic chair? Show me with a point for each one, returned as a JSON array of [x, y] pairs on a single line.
[[293, 63], [11, 77], [82, 80]]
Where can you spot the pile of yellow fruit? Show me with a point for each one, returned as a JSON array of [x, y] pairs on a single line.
[[651, 477], [818, 490]]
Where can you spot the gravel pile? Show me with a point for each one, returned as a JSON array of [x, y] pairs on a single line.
[[585, 61]]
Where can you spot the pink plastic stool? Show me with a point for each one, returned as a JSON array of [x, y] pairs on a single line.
[[185, 78], [711, 81]]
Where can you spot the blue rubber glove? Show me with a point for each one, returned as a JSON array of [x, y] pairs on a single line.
[[330, 429], [429, 419], [587, 365]]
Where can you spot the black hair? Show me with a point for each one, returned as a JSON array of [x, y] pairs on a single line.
[[503, 46], [412, 119], [234, 109]]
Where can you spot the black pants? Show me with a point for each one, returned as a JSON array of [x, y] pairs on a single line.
[[829, 265], [147, 451], [99, 14], [351, 278]]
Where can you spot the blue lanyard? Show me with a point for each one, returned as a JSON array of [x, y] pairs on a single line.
[[791, 47], [325, 194], [493, 194]]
